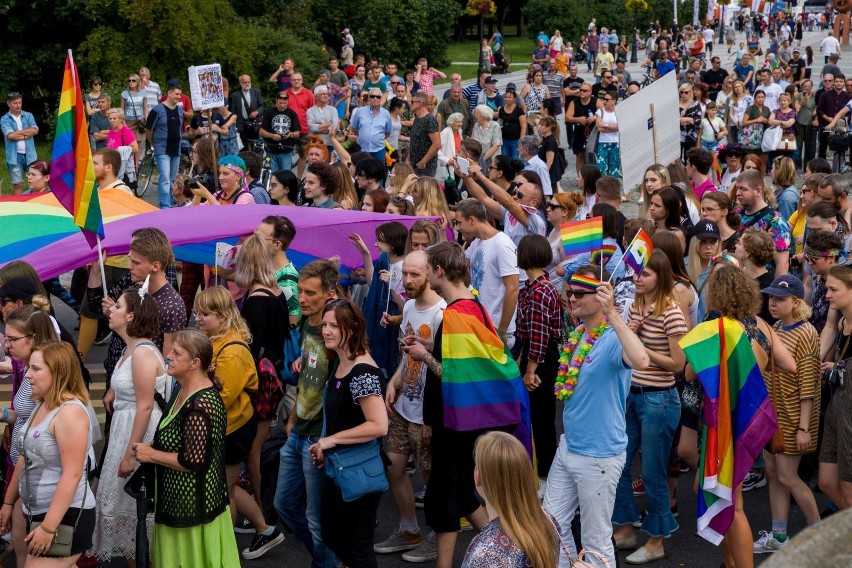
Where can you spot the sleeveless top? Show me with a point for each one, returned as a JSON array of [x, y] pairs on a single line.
[[42, 461]]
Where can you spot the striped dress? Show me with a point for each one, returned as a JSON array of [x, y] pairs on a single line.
[[803, 342]]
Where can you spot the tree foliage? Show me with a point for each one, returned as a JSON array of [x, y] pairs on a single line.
[[395, 30]]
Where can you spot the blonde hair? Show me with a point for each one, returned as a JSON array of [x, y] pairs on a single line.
[[432, 200], [64, 365], [507, 479], [217, 300], [661, 171], [801, 311], [693, 267], [345, 188], [117, 112], [400, 173], [254, 264]]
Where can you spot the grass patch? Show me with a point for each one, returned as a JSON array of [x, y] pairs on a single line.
[[519, 48], [44, 149]]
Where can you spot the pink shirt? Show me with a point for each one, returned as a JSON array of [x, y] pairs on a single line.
[[426, 79], [705, 187], [123, 137]]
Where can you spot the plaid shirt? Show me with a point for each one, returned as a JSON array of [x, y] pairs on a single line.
[[539, 316]]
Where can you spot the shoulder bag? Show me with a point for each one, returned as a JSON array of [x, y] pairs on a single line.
[[63, 537], [356, 469]]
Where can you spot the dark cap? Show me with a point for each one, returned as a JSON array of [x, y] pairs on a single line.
[[732, 150], [173, 83], [784, 286], [491, 79], [19, 289], [706, 230], [511, 87]]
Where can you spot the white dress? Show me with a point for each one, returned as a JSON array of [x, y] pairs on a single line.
[[115, 531]]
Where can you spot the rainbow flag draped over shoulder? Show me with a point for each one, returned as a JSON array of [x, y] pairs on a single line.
[[73, 176], [481, 384], [582, 236], [738, 418]]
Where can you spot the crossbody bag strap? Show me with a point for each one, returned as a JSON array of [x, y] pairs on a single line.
[[837, 342]]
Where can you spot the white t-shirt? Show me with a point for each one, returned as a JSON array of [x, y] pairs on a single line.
[[773, 92], [829, 45], [517, 230], [409, 398], [708, 35], [21, 146], [608, 119], [490, 261]]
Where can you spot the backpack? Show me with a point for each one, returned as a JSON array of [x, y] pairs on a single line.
[[269, 391], [292, 348]]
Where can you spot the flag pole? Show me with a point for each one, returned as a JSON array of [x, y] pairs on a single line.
[[101, 264], [621, 260]]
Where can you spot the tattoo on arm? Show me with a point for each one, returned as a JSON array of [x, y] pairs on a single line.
[[433, 364]]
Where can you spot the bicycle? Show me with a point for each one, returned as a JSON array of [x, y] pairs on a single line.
[[838, 142], [648, 77], [260, 147], [145, 173]]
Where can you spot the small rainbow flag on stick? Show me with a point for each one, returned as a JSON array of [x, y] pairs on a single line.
[[582, 236], [639, 251], [602, 256], [73, 180]]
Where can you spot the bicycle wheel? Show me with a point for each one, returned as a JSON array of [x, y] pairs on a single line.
[[143, 178]]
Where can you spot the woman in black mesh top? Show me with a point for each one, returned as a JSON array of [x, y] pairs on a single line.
[[192, 519]]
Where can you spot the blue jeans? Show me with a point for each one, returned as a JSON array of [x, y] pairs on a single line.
[[297, 476], [510, 149], [590, 58], [18, 168], [652, 419], [282, 161], [380, 155], [168, 168]]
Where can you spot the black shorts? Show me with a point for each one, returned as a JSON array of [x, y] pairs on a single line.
[[82, 540], [238, 443]]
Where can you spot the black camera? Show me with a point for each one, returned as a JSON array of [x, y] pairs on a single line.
[[189, 183]]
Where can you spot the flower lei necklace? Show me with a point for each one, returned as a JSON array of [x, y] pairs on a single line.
[[572, 356]]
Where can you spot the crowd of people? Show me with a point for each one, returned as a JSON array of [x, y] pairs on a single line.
[[373, 370]]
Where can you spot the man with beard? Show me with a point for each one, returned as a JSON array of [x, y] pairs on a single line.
[[407, 436], [281, 128]]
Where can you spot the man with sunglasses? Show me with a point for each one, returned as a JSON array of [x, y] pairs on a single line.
[[606, 86], [589, 459], [19, 129], [372, 124], [281, 128]]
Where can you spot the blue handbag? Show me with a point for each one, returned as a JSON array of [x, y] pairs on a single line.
[[356, 469]]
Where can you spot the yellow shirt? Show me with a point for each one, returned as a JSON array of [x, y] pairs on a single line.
[[797, 226], [562, 63]]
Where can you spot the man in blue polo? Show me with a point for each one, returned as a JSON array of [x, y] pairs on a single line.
[[372, 124], [19, 129]]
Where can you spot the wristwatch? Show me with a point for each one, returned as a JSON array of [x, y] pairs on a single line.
[[805, 430]]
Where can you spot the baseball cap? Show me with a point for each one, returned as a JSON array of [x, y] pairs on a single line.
[[173, 83], [785, 286], [491, 79], [19, 289], [706, 230]]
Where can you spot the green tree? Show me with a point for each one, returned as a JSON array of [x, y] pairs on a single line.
[[394, 30]]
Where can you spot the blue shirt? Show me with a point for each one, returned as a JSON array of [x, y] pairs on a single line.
[[8, 125], [664, 67], [593, 418], [372, 129]]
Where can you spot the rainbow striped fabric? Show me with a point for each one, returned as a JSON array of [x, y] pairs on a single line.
[[584, 282], [582, 236], [481, 384], [602, 256], [73, 176], [738, 418], [639, 251]]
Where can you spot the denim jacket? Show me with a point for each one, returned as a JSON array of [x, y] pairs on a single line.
[[8, 124]]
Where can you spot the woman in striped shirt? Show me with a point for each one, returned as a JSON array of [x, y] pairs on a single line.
[[653, 409]]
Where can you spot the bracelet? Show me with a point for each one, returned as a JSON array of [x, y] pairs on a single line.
[[5, 414], [10, 504], [48, 531]]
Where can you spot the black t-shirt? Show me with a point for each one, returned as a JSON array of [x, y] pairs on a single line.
[[511, 124], [198, 120], [764, 281], [714, 80], [796, 66], [569, 83], [599, 90], [173, 124], [342, 407], [283, 123]]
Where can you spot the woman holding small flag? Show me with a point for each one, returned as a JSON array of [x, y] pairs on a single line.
[[593, 381], [561, 208], [653, 409]]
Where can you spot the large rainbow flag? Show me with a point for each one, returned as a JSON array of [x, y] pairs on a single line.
[[738, 418], [72, 174], [481, 383]]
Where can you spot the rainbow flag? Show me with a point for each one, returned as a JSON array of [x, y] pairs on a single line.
[[481, 383], [582, 236], [585, 282], [639, 251], [738, 418], [73, 176], [602, 256]]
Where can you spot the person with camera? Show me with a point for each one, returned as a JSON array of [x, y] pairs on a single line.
[[281, 128]]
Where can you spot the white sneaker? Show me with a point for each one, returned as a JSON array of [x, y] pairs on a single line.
[[768, 543]]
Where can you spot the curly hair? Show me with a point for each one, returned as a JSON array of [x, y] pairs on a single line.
[[732, 293], [326, 175], [759, 246]]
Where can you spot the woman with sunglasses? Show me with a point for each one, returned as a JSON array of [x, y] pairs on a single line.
[[561, 208], [135, 107], [607, 156], [91, 98], [653, 409], [690, 120], [353, 413], [798, 220]]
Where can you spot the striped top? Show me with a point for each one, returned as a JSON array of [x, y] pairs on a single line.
[[803, 342], [654, 332]]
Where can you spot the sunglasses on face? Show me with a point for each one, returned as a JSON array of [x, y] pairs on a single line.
[[578, 293], [132, 81], [552, 206], [375, 96]]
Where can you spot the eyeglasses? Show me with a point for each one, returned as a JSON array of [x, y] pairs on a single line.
[[552, 206], [607, 99], [585, 90], [375, 96], [10, 339], [578, 293], [96, 84], [519, 194], [199, 314]]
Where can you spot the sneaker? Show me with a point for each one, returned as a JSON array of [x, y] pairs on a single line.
[[753, 480], [263, 544], [398, 542], [419, 498], [410, 467], [638, 487], [426, 552], [243, 526], [768, 543], [465, 524]]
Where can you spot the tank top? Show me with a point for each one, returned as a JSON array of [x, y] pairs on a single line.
[[43, 464]]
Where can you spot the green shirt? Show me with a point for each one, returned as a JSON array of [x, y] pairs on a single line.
[[288, 280], [370, 85], [312, 381]]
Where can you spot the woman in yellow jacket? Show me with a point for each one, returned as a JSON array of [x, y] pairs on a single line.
[[217, 316]]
